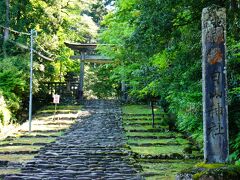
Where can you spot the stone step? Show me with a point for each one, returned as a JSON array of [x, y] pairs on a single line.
[[19, 152], [150, 174], [145, 131], [141, 119], [23, 144], [153, 144], [151, 137], [59, 123], [149, 115], [49, 112], [44, 131], [173, 156], [3, 163], [58, 118], [39, 136], [140, 124]]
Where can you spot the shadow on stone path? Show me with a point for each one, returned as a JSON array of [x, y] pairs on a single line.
[[91, 149]]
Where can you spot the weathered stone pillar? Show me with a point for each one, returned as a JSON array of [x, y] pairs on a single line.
[[215, 113], [81, 77]]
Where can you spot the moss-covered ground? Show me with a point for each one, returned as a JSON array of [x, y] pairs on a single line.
[[159, 141], [147, 141], [19, 149], [16, 157], [165, 169], [137, 109], [29, 141], [166, 135], [155, 150], [6, 171], [211, 171], [22, 146]]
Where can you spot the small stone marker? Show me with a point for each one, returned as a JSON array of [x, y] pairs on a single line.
[[215, 113]]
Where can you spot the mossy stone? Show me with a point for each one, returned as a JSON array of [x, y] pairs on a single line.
[[204, 171]]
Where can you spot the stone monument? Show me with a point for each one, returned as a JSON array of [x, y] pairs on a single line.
[[215, 113]]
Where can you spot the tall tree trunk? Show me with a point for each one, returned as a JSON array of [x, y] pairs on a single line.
[[7, 24]]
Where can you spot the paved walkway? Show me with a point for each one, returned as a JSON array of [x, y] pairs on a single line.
[[92, 149]]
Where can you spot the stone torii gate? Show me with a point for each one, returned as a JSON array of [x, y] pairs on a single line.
[[87, 54]]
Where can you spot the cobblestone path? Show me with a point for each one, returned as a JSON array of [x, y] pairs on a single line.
[[91, 149]]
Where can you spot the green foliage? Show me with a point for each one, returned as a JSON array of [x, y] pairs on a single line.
[[13, 81], [154, 57], [99, 83], [235, 145], [99, 9], [5, 114], [55, 21], [157, 50]]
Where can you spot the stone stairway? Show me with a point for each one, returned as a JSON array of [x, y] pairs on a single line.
[[93, 148]]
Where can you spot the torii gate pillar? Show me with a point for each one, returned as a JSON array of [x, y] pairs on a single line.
[[81, 77]]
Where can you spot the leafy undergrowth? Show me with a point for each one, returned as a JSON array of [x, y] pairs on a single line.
[[22, 146], [161, 153]]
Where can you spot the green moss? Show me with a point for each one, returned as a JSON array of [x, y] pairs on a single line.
[[157, 150], [162, 134], [210, 166], [142, 127], [159, 141], [154, 144], [198, 175], [142, 118], [165, 169], [33, 134], [182, 141], [137, 109], [151, 141], [28, 141], [9, 171], [218, 170], [16, 157], [19, 148]]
